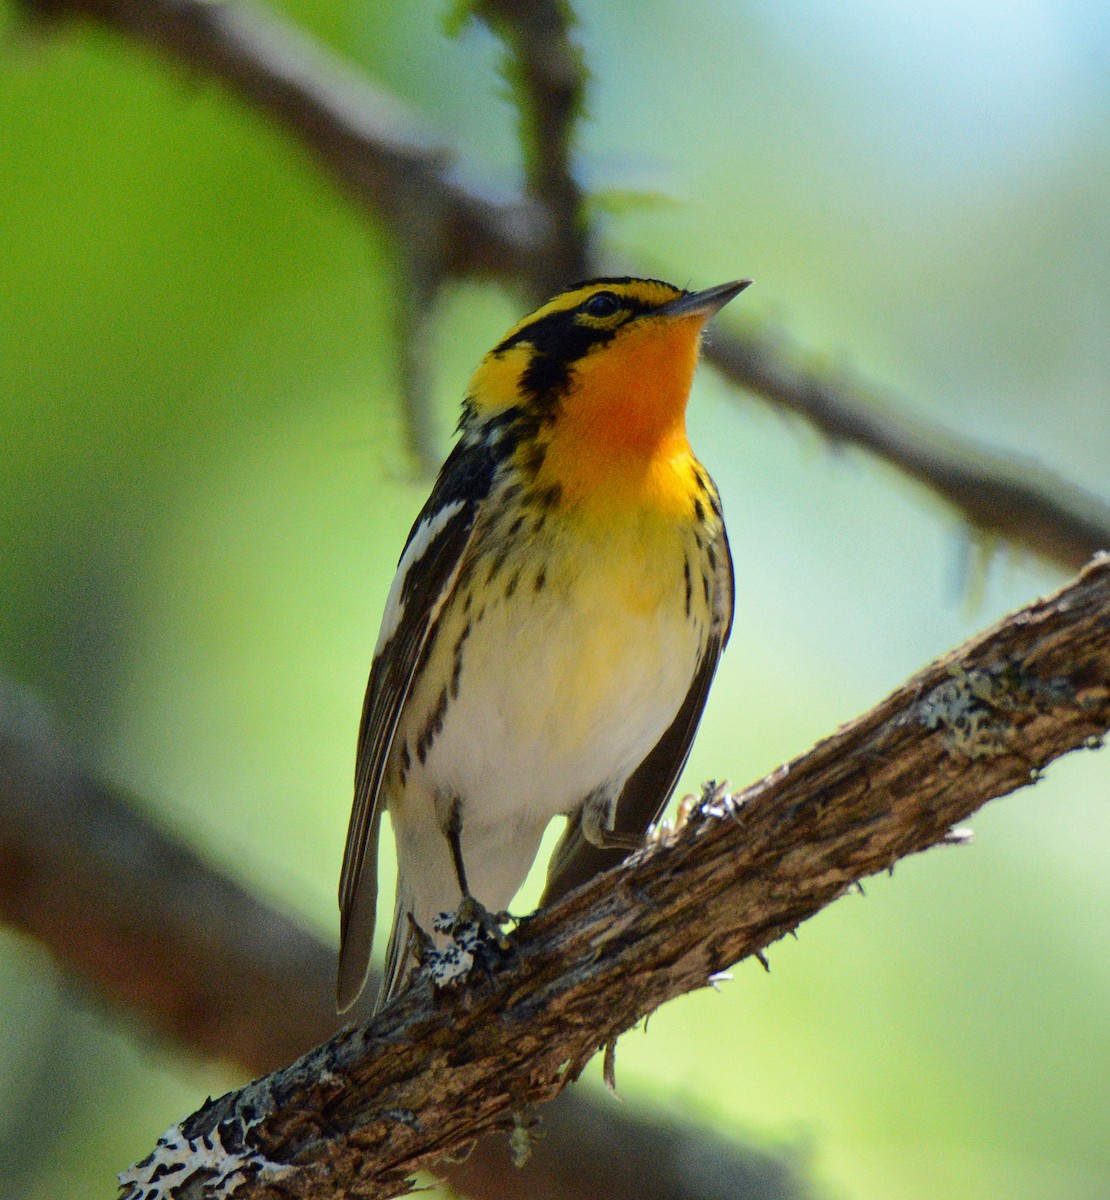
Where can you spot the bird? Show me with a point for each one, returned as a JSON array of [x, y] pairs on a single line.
[[554, 625]]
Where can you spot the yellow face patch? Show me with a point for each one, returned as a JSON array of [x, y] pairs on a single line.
[[495, 385]]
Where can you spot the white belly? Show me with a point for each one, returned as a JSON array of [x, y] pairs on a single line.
[[552, 695], [557, 703]]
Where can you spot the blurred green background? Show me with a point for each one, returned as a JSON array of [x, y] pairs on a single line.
[[203, 492]]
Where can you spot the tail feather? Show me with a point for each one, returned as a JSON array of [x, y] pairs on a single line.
[[355, 943], [576, 860], [398, 959]]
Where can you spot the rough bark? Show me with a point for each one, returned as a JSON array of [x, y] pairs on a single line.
[[357, 1115]]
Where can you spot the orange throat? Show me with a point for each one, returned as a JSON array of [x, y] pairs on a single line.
[[621, 432]]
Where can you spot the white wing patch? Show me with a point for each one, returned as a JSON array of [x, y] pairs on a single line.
[[422, 538]]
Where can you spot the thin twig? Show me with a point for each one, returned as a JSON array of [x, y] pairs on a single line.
[[164, 937], [435, 1070], [549, 82], [372, 150], [379, 154], [998, 497]]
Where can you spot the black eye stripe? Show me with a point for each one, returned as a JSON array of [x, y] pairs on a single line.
[[557, 340], [541, 332], [557, 333]]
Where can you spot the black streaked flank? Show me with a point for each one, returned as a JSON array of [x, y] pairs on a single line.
[[550, 497], [456, 668], [466, 574], [453, 832], [533, 458], [689, 583], [496, 563], [431, 728]]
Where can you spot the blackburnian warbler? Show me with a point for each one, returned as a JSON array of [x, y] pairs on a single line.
[[556, 619]]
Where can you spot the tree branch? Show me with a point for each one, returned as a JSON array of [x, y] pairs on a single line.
[[429, 1074], [361, 138], [160, 934], [999, 497], [141, 918], [549, 83]]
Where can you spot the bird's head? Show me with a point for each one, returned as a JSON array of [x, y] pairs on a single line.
[[606, 366]]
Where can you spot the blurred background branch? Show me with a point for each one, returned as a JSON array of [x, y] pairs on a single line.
[[372, 149], [999, 498], [547, 75], [141, 918]]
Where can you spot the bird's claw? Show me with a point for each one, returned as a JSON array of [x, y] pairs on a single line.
[[476, 939]]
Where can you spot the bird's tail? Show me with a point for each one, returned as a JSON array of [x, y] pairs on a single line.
[[398, 958]]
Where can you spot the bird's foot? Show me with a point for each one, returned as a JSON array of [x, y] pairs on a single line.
[[473, 913], [475, 938]]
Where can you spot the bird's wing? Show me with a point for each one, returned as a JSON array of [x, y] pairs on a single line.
[[426, 576], [649, 787]]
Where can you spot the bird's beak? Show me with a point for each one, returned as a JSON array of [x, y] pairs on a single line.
[[702, 304]]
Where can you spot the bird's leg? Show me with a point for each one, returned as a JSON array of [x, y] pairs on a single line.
[[470, 936], [453, 832], [471, 911]]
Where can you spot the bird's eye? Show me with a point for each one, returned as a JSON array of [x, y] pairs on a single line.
[[602, 304]]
